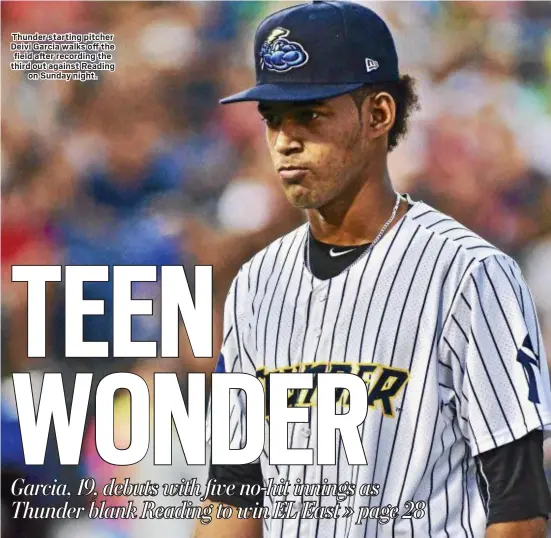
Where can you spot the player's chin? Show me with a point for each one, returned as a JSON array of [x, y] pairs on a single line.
[[302, 197]]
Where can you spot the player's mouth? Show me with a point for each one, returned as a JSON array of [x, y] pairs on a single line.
[[291, 174]]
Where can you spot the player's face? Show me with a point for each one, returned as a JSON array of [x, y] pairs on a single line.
[[319, 149]]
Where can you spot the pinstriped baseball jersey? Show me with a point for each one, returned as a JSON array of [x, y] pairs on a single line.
[[441, 326]]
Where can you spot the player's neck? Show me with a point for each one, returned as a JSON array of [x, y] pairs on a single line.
[[356, 218]]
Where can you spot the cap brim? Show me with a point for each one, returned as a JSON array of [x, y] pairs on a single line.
[[291, 92]]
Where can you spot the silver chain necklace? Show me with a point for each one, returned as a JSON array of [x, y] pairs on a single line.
[[373, 243]]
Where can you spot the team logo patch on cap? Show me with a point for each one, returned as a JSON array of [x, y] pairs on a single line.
[[280, 54]]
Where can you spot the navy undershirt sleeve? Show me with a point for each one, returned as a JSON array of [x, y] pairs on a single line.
[[512, 480], [238, 475]]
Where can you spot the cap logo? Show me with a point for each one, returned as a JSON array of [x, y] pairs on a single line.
[[280, 54], [371, 65]]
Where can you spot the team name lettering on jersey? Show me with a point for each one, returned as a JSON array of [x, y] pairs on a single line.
[[383, 383]]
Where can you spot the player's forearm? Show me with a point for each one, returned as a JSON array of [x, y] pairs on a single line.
[[531, 528], [228, 528]]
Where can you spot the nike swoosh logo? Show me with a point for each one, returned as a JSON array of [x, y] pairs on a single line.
[[334, 254]]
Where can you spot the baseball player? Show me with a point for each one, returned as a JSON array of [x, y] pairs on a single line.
[[438, 322]]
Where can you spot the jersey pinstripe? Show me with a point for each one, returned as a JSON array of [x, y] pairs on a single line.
[[434, 308]]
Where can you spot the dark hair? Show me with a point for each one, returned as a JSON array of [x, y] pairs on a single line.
[[405, 97]]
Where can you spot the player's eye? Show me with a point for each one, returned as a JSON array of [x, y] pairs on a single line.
[[271, 120], [303, 117], [307, 116]]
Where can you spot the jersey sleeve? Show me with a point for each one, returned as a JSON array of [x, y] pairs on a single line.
[[493, 347], [230, 360]]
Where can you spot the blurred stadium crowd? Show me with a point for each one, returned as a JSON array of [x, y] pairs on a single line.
[[144, 167]]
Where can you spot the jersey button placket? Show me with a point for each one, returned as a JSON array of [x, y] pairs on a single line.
[[319, 308], [315, 478], [319, 298]]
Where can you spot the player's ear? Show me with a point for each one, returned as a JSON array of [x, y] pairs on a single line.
[[381, 113]]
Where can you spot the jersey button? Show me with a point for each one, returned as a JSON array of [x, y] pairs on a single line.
[[317, 333], [306, 432], [323, 298]]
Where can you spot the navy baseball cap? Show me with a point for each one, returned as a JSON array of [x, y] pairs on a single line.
[[320, 50]]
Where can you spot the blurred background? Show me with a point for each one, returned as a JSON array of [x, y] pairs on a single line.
[[144, 167]]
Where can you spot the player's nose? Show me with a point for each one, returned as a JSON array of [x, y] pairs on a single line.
[[287, 139]]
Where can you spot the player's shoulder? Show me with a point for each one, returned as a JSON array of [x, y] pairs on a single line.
[[271, 258], [446, 228], [469, 249]]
